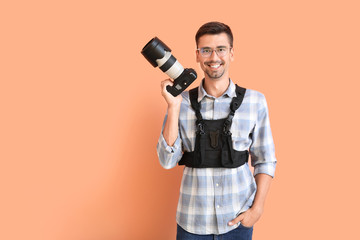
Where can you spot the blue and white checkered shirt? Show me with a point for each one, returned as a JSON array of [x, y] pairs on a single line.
[[211, 197]]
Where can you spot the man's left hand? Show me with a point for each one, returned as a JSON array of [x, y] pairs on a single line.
[[248, 218]]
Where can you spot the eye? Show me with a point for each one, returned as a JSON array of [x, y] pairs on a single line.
[[222, 49], [206, 50]]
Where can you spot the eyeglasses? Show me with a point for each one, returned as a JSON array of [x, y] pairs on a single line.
[[207, 52]]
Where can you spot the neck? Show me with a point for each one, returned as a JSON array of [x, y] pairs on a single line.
[[216, 87]]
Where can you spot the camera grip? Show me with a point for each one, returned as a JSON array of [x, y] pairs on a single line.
[[172, 90], [182, 82]]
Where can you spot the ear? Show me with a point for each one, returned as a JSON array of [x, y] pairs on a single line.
[[197, 55], [232, 54]]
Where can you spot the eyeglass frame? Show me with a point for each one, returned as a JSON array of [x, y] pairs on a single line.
[[216, 50]]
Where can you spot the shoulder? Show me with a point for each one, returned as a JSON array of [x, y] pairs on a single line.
[[254, 96], [186, 111], [255, 100], [185, 103], [186, 95]]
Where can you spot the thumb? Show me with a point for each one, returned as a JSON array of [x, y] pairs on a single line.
[[236, 220]]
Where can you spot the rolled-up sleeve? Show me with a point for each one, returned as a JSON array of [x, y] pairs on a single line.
[[169, 156], [262, 149]]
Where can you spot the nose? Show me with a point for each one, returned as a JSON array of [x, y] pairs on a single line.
[[214, 55]]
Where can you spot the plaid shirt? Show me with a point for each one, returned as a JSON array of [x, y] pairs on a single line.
[[211, 197]]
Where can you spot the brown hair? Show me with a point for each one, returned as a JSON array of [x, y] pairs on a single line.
[[214, 28]]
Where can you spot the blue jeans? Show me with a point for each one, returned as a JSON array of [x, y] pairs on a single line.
[[239, 233]]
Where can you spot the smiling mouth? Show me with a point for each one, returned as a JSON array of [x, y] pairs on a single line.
[[214, 65]]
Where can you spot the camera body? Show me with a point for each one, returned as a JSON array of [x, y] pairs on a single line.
[[159, 55]]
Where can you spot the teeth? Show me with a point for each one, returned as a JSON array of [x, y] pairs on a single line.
[[215, 66]]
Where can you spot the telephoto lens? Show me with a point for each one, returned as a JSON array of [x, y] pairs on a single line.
[[159, 55]]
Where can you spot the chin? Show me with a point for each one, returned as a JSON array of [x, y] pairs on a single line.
[[215, 76]]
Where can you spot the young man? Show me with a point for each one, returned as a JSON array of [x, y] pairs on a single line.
[[212, 130]]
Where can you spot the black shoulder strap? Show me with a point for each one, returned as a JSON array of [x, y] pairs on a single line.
[[236, 102], [234, 105], [193, 93]]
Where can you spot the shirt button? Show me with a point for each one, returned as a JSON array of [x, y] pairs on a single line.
[[218, 206], [217, 184]]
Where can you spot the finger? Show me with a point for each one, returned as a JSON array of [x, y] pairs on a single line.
[[236, 220], [166, 82]]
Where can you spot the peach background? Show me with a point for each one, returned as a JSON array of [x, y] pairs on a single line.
[[81, 113]]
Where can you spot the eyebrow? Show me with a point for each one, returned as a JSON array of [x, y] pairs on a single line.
[[215, 47]]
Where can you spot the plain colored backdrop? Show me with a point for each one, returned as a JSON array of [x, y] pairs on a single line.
[[81, 113]]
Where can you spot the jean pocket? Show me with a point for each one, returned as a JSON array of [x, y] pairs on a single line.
[[245, 226]]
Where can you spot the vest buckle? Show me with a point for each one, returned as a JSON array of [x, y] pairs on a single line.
[[200, 128], [227, 126]]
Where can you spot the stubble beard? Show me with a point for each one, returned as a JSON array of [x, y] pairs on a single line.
[[214, 74]]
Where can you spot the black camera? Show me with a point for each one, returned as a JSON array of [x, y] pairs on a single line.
[[159, 55]]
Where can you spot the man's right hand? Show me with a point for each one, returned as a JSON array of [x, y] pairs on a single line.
[[170, 99], [171, 127]]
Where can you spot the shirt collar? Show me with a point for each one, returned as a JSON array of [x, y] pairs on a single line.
[[230, 91]]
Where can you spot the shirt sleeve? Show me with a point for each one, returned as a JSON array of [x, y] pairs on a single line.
[[262, 149], [169, 156]]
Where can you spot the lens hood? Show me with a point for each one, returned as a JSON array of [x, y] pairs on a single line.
[[154, 49]]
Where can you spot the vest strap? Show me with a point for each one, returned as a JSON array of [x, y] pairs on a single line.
[[196, 106], [234, 105]]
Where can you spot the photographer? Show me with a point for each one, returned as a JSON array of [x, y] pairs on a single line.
[[212, 130]]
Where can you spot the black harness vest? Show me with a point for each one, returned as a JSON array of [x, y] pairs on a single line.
[[213, 144]]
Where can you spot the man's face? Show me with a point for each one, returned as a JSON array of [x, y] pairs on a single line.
[[214, 66]]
